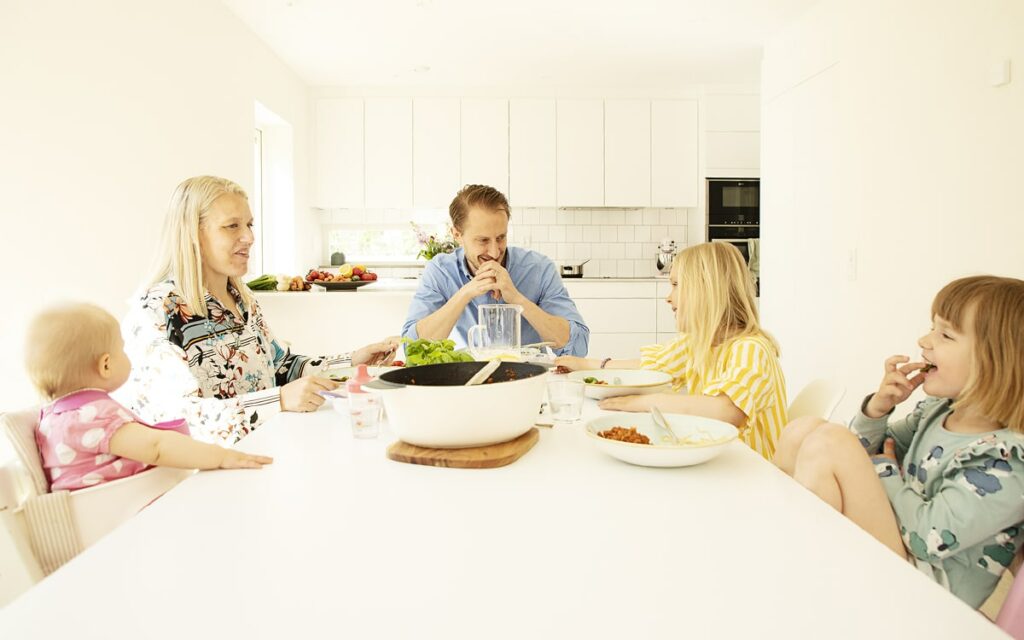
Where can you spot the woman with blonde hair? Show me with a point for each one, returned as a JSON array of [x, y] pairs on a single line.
[[199, 346], [723, 364]]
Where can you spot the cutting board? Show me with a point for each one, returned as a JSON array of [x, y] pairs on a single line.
[[489, 457]]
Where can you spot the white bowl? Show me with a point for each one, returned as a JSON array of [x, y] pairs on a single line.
[[709, 438], [622, 382]]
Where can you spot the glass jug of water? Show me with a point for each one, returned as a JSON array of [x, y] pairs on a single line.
[[497, 332]]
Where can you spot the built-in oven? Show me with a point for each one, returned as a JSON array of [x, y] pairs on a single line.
[[734, 216]]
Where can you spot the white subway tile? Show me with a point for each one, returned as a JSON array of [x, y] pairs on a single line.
[[651, 217], [592, 234], [642, 234], [667, 217], [624, 269], [593, 269], [600, 217], [566, 217], [635, 217], [531, 216], [608, 269], [617, 251], [633, 250], [583, 251], [546, 248], [556, 233], [540, 233], [522, 234], [644, 268], [677, 233], [599, 251], [617, 217], [582, 217], [625, 233], [574, 234], [659, 232], [565, 251], [549, 216], [609, 234]]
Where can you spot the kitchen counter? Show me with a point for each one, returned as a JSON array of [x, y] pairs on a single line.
[[334, 540]]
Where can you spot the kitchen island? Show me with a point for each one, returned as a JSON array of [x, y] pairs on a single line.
[[334, 540]]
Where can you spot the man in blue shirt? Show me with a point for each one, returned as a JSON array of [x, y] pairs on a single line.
[[485, 270]]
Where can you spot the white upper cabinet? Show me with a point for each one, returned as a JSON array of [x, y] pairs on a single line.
[[436, 152], [388, 153], [338, 152], [531, 150], [485, 142], [580, 165], [627, 153], [675, 177]]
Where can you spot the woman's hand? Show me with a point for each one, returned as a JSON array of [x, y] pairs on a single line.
[[896, 386], [238, 460], [575, 363], [628, 403], [378, 353], [303, 395]]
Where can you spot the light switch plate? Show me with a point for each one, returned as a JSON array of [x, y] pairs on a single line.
[[999, 73]]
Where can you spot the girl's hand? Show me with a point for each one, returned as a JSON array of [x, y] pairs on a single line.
[[628, 403], [575, 363], [896, 386], [304, 394], [238, 460], [378, 353]]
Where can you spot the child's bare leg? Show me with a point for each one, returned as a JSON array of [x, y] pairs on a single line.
[[793, 436], [833, 464]]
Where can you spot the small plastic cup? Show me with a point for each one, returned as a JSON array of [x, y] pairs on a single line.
[[364, 409], [565, 398]]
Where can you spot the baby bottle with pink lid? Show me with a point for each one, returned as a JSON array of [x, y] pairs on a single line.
[[364, 408]]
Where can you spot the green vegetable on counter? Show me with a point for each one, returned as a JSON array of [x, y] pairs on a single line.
[[265, 282], [423, 351]]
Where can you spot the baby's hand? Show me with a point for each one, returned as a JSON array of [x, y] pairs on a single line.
[[896, 385], [238, 460]]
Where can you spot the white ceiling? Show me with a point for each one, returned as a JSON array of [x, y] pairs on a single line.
[[519, 43]]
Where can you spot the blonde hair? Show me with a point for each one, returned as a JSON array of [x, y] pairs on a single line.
[[64, 345], [179, 256], [992, 308], [476, 195], [715, 300]]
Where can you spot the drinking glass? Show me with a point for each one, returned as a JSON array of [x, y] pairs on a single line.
[[565, 397]]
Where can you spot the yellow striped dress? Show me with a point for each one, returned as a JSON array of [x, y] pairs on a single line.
[[745, 369]]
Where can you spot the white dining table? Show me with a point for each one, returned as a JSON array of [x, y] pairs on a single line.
[[335, 540]]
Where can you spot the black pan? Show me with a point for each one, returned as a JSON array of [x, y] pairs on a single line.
[[454, 374]]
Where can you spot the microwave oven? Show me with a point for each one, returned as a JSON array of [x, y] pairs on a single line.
[[734, 201]]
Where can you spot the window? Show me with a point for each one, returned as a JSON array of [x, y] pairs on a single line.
[[390, 241]]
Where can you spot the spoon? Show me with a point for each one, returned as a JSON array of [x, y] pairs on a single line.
[[482, 375], [660, 420]]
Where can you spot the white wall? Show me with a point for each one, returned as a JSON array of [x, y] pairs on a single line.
[[105, 107], [882, 138]]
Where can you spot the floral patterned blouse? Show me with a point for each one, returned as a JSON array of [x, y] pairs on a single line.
[[221, 373]]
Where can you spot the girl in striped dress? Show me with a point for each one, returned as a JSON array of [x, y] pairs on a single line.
[[723, 364]]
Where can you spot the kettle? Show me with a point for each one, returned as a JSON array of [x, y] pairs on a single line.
[[666, 253]]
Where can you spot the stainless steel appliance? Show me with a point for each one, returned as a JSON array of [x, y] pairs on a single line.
[[666, 253], [734, 215], [573, 270]]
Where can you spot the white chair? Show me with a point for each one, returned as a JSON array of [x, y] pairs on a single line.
[[819, 398], [56, 526]]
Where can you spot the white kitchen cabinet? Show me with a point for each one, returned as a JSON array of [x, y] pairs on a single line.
[[627, 153], [388, 153], [619, 346], [616, 315], [485, 142], [531, 151], [580, 155], [732, 150], [675, 171], [436, 151], [338, 152]]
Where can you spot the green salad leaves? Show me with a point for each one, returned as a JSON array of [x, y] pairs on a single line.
[[420, 352]]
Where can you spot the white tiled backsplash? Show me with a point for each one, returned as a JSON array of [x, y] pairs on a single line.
[[619, 243]]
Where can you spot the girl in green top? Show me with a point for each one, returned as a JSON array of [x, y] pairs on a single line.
[[944, 486]]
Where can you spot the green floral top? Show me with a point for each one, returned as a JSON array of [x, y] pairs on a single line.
[[959, 497]]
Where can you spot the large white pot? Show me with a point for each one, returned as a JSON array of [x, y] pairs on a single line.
[[428, 406]]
